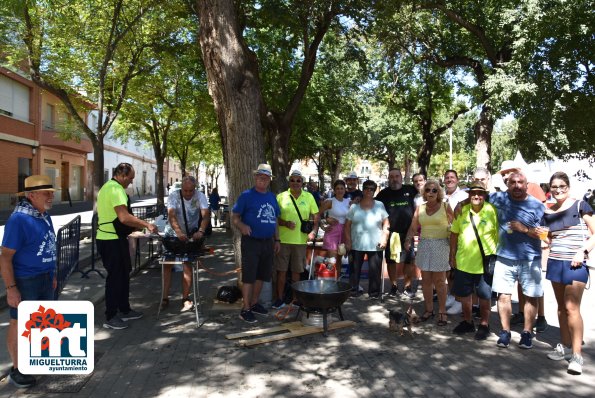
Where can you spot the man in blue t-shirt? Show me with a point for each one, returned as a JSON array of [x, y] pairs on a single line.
[[255, 215], [519, 254], [28, 260]]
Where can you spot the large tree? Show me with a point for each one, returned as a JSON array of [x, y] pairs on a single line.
[[84, 50]]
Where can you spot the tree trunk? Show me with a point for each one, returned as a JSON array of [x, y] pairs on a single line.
[[279, 135], [483, 137], [427, 148], [98, 164], [234, 85]]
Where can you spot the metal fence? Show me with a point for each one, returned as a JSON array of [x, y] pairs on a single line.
[[67, 251]]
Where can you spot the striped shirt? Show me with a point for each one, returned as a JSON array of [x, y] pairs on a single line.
[[568, 232]]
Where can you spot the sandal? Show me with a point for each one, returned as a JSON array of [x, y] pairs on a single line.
[[427, 315], [164, 303], [441, 319]]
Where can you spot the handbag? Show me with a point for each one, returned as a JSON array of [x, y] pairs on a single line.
[[306, 226], [590, 257], [487, 270]]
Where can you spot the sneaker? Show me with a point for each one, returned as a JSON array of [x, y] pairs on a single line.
[[541, 324], [575, 366], [278, 304], [131, 315], [526, 342], [517, 319], [393, 291], [450, 300], [20, 380], [259, 309], [503, 339], [247, 316], [115, 323], [464, 327], [454, 309], [187, 306], [559, 353], [483, 331]]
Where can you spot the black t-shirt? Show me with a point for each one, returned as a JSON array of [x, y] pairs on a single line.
[[399, 205], [353, 195]]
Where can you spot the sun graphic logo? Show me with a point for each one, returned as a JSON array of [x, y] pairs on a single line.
[[56, 337]]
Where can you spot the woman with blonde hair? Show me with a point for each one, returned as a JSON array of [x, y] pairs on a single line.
[[434, 217]]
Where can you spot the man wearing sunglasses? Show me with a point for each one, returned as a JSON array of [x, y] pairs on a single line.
[[398, 200], [296, 206]]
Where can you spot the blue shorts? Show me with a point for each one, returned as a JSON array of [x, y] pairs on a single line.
[[526, 272], [465, 284], [36, 287], [559, 271]]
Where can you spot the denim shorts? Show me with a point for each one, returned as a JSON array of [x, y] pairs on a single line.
[[559, 271], [36, 287], [526, 272], [465, 284]]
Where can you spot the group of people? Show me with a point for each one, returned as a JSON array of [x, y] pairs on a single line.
[[472, 243]]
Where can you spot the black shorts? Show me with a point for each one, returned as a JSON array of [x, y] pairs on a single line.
[[465, 284], [406, 256], [257, 259]]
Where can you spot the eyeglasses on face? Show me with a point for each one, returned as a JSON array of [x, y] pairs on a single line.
[[433, 190], [559, 187], [295, 180]]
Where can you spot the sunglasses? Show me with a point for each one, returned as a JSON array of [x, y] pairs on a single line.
[[433, 190], [296, 180], [559, 187], [473, 193]]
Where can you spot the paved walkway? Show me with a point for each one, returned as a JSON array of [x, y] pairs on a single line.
[[169, 356]]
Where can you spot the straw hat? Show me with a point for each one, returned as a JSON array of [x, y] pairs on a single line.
[[265, 169], [477, 186], [37, 183]]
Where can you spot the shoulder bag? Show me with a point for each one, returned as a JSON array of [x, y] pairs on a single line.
[[487, 271], [589, 258], [306, 226]]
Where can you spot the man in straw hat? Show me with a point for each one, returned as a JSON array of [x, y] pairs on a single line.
[[28, 260], [114, 223], [255, 214]]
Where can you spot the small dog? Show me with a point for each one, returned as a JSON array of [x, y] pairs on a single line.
[[397, 321]]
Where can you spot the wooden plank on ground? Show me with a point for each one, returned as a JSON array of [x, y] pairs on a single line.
[[293, 332], [280, 328]]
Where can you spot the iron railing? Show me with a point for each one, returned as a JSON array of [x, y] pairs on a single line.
[[67, 252]]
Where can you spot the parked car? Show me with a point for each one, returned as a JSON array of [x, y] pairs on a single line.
[[176, 186]]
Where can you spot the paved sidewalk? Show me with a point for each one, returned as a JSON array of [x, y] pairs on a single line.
[[170, 356]]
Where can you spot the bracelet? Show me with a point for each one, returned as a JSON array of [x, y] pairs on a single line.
[[10, 287], [277, 240]]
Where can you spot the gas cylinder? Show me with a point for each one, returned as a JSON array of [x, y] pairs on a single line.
[[327, 269]]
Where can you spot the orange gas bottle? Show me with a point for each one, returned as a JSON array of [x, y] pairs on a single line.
[[327, 269]]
